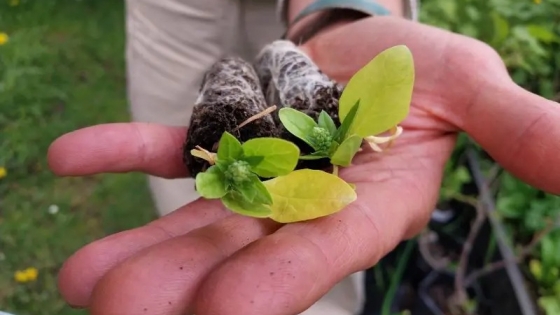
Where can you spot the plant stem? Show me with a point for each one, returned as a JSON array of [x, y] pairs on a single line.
[[525, 302], [526, 251], [335, 170], [424, 239], [460, 288], [396, 278]]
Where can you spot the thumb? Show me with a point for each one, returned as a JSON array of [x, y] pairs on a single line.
[[341, 51], [520, 130]]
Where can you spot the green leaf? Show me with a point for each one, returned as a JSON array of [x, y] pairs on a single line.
[[254, 161], [314, 156], [308, 194], [223, 164], [550, 304], [297, 123], [229, 147], [326, 121], [549, 252], [332, 149], [384, 87], [501, 28], [346, 151], [279, 156], [211, 184], [341, 133], [236, 203], [255, 191], [542, 33]]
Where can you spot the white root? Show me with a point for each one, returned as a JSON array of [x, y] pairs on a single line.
[[374, 141], [204, 154], [235, 79], [289, 75], [256, 116]]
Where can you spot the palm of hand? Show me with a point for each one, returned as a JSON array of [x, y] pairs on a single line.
[[198, 257]]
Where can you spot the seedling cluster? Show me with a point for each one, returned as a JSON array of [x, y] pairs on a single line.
[[263, 176]]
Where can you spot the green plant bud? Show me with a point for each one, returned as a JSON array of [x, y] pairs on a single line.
[[321, 139], [238, 172]]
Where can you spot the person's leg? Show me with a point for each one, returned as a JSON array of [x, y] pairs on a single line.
[[261, 26], [346, 298], [170, 44]]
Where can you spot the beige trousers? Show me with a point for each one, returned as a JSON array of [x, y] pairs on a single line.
[[170, 43]]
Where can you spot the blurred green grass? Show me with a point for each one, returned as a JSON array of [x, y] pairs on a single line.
[[63, 68]]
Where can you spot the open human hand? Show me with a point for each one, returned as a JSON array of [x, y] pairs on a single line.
[[206, 260]]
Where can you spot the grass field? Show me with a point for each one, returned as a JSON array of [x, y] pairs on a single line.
[[62, 68]]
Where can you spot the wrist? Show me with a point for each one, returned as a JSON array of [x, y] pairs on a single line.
[[294, 7], [306, 18]]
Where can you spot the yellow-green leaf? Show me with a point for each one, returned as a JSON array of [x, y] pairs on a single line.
[[297, 123], [279, 156], [384, 88], [327, 122], [254, 191], [236, 203], [211, 184], [307, 194], [346, 150], [229, 147]]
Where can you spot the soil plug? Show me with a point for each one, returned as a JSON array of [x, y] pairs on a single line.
[[291, 79], [230, 95]]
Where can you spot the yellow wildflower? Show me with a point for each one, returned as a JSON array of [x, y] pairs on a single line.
[[3, 38], [537, 1], [3, 172], [13, 3], [27, 275]]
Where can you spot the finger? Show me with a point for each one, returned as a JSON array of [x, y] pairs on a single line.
[[163, 279], [120, 147], [518, 129], [82, 271], [427, 44], [286, 272]]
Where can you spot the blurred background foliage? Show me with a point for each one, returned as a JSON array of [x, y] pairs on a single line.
[[62, 67], [526, 33]]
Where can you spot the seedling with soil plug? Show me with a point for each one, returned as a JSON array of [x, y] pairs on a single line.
[[323, 136], [306, 128], [229, 98], [376, 99]]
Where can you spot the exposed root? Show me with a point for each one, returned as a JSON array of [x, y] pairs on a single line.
[[374, 141], [256, 116], [335, 170], [204, 154]]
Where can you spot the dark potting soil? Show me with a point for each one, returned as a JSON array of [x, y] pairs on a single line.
[[230, 94]]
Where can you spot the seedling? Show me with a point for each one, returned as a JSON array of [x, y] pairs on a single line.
[[323, 136], [234, 173], [384, 96]]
